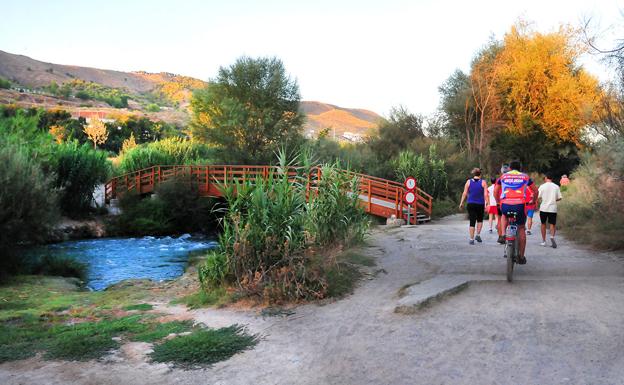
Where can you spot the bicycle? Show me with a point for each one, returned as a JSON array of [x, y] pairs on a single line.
[[511, 244]]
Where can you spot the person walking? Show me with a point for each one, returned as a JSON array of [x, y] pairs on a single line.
[[549, 194], [530, 207], [475, 190], [493, 207], [501, 237], [564, 180]]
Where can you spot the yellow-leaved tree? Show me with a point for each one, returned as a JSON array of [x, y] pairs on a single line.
[[96, 132], [540, 79]]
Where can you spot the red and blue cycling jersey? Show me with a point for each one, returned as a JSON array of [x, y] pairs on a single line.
[[514, 186]]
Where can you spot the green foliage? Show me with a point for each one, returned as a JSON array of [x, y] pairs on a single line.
[[270, 234], [176, 208], [115, 97], [250, 110], [334, 215], [171, 151], [443, 207], [57, 265], [78, 169], [141, 217], [204, 347], [396, 133], [430, 171], [152, 107], [214, 271], [139, 306], [29, 204], [591, 210], [5, 83]]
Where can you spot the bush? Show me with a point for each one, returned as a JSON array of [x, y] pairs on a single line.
[[61, 266], [272, 240], [28, 202], [429, 171], [176, 207], [5, 83], [152, 107], [333, 215], [79, 169], [169, 151], [214, 271], [591, 210]]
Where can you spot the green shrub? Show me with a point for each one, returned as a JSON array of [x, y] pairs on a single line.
[[176, 207], [170, 151], [334, 215], [591, 210], [204, 347], [214, 271], [139, 216], [430, 172], [272, 237], [5, 83], [62, 266], [152, 107], [28, 202], [78, 169]]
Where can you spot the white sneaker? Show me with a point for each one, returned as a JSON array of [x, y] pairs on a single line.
[[543, 244]]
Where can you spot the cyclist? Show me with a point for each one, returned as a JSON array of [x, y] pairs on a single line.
[[512, 188], [476, 191]]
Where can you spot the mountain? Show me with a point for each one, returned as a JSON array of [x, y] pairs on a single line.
[[143, 88]]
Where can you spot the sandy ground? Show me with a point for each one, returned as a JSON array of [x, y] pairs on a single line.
[[560, 322]]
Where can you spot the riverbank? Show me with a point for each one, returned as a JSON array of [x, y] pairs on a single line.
[[458, 338]]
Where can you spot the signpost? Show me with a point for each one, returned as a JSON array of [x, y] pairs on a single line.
[[410, 195]]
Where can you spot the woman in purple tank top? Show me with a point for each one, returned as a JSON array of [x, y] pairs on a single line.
[[475, 190]]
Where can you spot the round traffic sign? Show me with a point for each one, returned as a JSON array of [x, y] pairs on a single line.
[[410, 183], [410, 197]]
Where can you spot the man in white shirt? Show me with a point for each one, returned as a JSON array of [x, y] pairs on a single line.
[[549, 195]]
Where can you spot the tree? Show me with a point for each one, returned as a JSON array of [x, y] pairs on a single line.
[[128, 144], [541, 79], [59, 133], [96, 132], [396, 133], [248, 111]]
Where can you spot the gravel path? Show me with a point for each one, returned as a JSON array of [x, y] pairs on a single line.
[[559, 323]]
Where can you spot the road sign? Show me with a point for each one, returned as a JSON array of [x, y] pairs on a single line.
[[410, 183], [410, 197]]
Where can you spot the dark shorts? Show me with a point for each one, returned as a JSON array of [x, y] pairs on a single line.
[[518, 209], [475, 213], [550, 217]]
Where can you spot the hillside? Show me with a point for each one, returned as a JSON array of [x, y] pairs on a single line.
[[321, 116], [172, 92]]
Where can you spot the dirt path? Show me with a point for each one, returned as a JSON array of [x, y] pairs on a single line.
[[559, 323]]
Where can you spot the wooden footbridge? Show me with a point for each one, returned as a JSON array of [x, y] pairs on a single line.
[[379, 197]]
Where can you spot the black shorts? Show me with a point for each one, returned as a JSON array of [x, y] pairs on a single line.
[[550, 217], [475, 213]]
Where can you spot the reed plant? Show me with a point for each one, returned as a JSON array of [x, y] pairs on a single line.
[[275, 233]]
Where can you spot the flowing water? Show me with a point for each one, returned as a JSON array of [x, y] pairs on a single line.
[[111, 260]]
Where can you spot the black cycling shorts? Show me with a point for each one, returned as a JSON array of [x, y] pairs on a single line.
[[475, 213], [550, 217]]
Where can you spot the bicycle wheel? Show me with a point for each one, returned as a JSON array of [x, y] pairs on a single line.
[[509, 251]]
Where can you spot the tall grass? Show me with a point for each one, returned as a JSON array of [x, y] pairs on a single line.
[[273, 238], [591, 210], [164, 152]]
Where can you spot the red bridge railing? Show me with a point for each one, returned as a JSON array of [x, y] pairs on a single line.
[[379, 197]]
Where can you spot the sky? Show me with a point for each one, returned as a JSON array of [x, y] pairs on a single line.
[[357, 54]]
